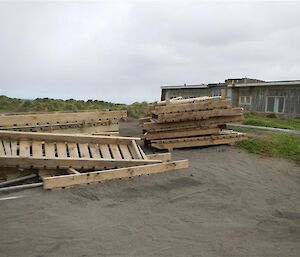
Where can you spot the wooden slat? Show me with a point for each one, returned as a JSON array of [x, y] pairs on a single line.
[[197, 141], [97, 176], [64, 163], [48, 137], [125, 152], [105, 151], [164, 157], [2, 152], [84, 150], [73, 150], [37, 150], [54, 118], [95, 151], [72, 171], [115, 152], [24, 148], [6, 144], [49, 150], [134, 150], [14, 147], [61, 149], [144, 156], [198, 115], [181, 133]]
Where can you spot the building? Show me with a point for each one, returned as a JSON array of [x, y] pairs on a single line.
[[282, 97]]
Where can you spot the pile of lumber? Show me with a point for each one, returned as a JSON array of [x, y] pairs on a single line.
[[201, 121], [63, 160], [63, 122]]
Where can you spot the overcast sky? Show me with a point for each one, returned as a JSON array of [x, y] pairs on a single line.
[[123, 51]]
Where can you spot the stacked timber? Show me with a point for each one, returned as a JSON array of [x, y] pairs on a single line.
[[179, 123], [64, 122], [63, 160]]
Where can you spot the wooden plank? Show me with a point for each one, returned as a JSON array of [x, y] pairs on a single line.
[[134, 150], [190, 100], [95, 151], [181, 133], [24, 148], [49, 150], [84, 150], [153, 126], [54, 118], [144, 156], [105, 151], [97, 176], [49, 137], [37, 150], [115, 152], [198, 115], [164, 157], [61, 149], [125, 152], [73, 150], [65, 163], [188, 107], [2, 152], [14, 147], [6, 144], [193, 142], [72, 171]]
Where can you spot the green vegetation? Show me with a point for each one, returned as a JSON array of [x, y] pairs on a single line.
[[273, 144], [271, 121], [135, 110]]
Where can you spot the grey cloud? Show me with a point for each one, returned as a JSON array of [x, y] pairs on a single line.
[[123, 51]]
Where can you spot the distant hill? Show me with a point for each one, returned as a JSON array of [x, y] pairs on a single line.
[[8, 104]]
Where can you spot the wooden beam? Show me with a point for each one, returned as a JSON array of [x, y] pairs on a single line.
[[54, 118], [98, 176], [49, 137], [65, 163], [72, 171], [164, 157], [197, 115], [181, 133]]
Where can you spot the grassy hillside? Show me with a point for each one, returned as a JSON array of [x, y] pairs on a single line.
[[8, 104]]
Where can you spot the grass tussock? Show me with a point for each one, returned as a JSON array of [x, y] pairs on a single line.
[[273, 144], [271, 121]]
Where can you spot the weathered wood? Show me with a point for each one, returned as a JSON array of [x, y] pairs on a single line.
[[164, 157], [2, 152], [197, 141], [64, 163], [24, 148], [197, 115], [115, 152], [48, 137], [49, 150], [125, 152], [181, 133], [188, 107], [54, 118], [84, 150], [73, 150], [97, 176], [72, 171], [152, 126], [37, 150], [7, 148], [95, 151], [105, 151], [134, 150]]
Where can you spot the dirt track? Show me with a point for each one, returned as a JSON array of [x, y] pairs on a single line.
[[228, 203]]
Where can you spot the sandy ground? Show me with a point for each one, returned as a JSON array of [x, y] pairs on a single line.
[[228, 203]]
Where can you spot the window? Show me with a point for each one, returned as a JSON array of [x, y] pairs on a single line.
[[246, 100], [216, 91], [275, 104], [229, 92]]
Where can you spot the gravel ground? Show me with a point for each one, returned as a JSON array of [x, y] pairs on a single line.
[[228, 203]]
